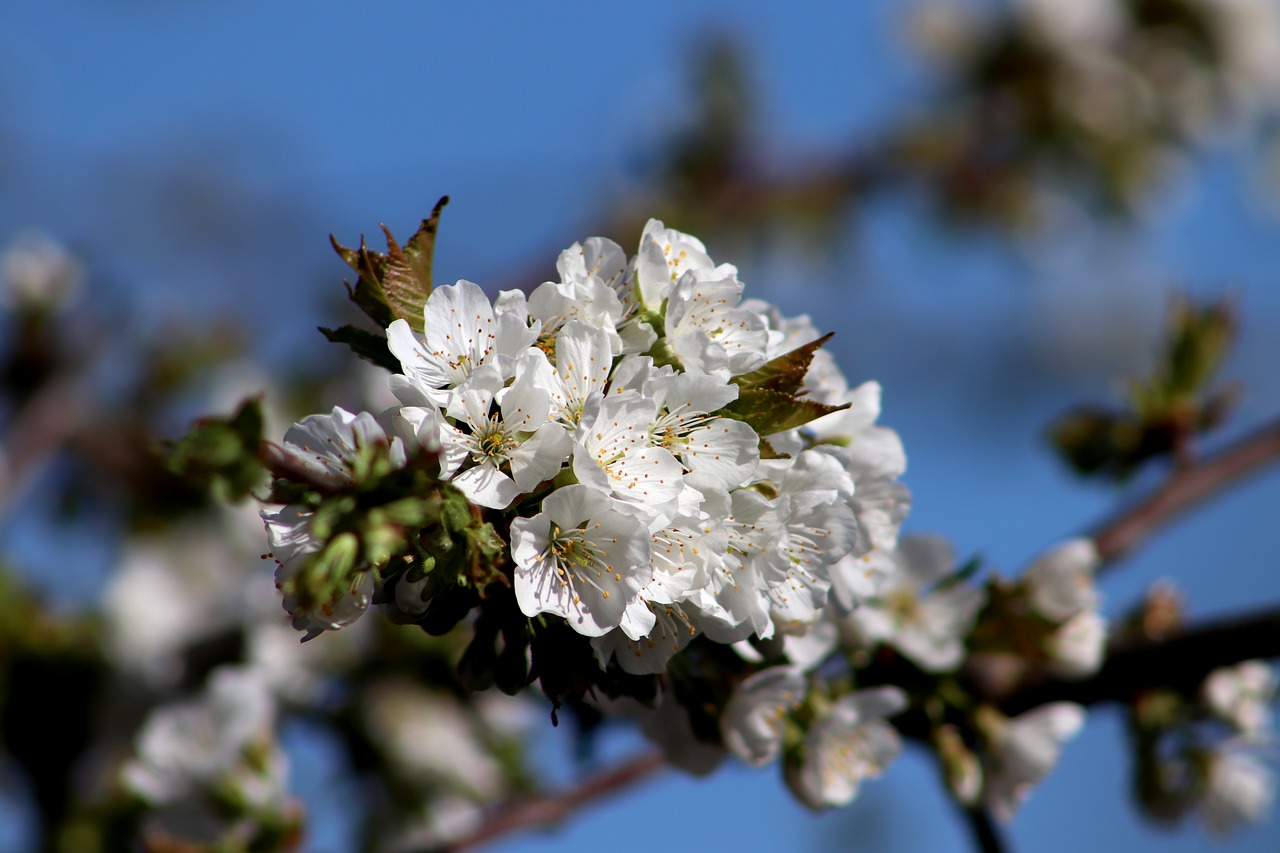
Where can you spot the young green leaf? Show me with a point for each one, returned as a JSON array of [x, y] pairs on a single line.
[[784, 374], [368, 345]]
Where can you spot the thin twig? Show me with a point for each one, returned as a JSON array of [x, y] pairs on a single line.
[[986, 835], [549, 809], [1184, 489], [46, 424]]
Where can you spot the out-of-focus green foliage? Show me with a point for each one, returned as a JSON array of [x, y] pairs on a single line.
[[1166, 410], [222, 453]]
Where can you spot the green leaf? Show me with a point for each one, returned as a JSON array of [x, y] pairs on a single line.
[[404, 292], [369, 346], [768, 451], [1096, 441], [394, 285], [367, 293], [784, 374], [222, 452], [768, 411], [960, 575], [420, 250], [1201, 338]]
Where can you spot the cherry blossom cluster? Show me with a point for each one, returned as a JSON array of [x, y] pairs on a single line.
[[658, 467], [632, 426], [1210, 755], [1237, 784], [664, 460], [213, 761]]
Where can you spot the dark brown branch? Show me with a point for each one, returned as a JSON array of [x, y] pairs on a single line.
[[1186, 488], [549, 809], [986, 835], [1179, 662], [47, 422]]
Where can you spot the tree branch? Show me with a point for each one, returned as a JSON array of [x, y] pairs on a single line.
[[986, 835], [549, 809], [1184, 489], [1180, 662]]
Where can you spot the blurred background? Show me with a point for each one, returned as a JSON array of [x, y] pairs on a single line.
[[991, 204]]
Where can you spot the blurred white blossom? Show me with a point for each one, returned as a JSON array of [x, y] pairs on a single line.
[[1023, 750]]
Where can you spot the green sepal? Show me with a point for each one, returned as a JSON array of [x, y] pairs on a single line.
[[784, 374], [446, 609], [328, 574], [511, 669], [487, 550], [369, 346], [768, 411]]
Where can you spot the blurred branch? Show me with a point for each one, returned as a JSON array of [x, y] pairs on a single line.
[[1180, 661], [1184, 489], [547, 810], [986, 835], [44, 425]]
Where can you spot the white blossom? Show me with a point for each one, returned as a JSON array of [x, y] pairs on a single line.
[[1060, 584], [665, 255], [852, 742], [612, 454], [809, 646], [509, 452], [1080, 24], [723, 449], [734, 601], [592, 276], [38, 272], [733, 546], [429, 738], [582, 361], [1077, 648], [672, 630], [328, 446], [925, 623], [819, 528], [1239, 789], [666, 723], [708, 331], [460, 333], [581, 559], [752, 724], [1024, 750], [169, 592], [1242, 695], [187, 749]]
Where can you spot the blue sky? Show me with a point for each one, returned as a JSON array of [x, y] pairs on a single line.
[[153, 135]]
